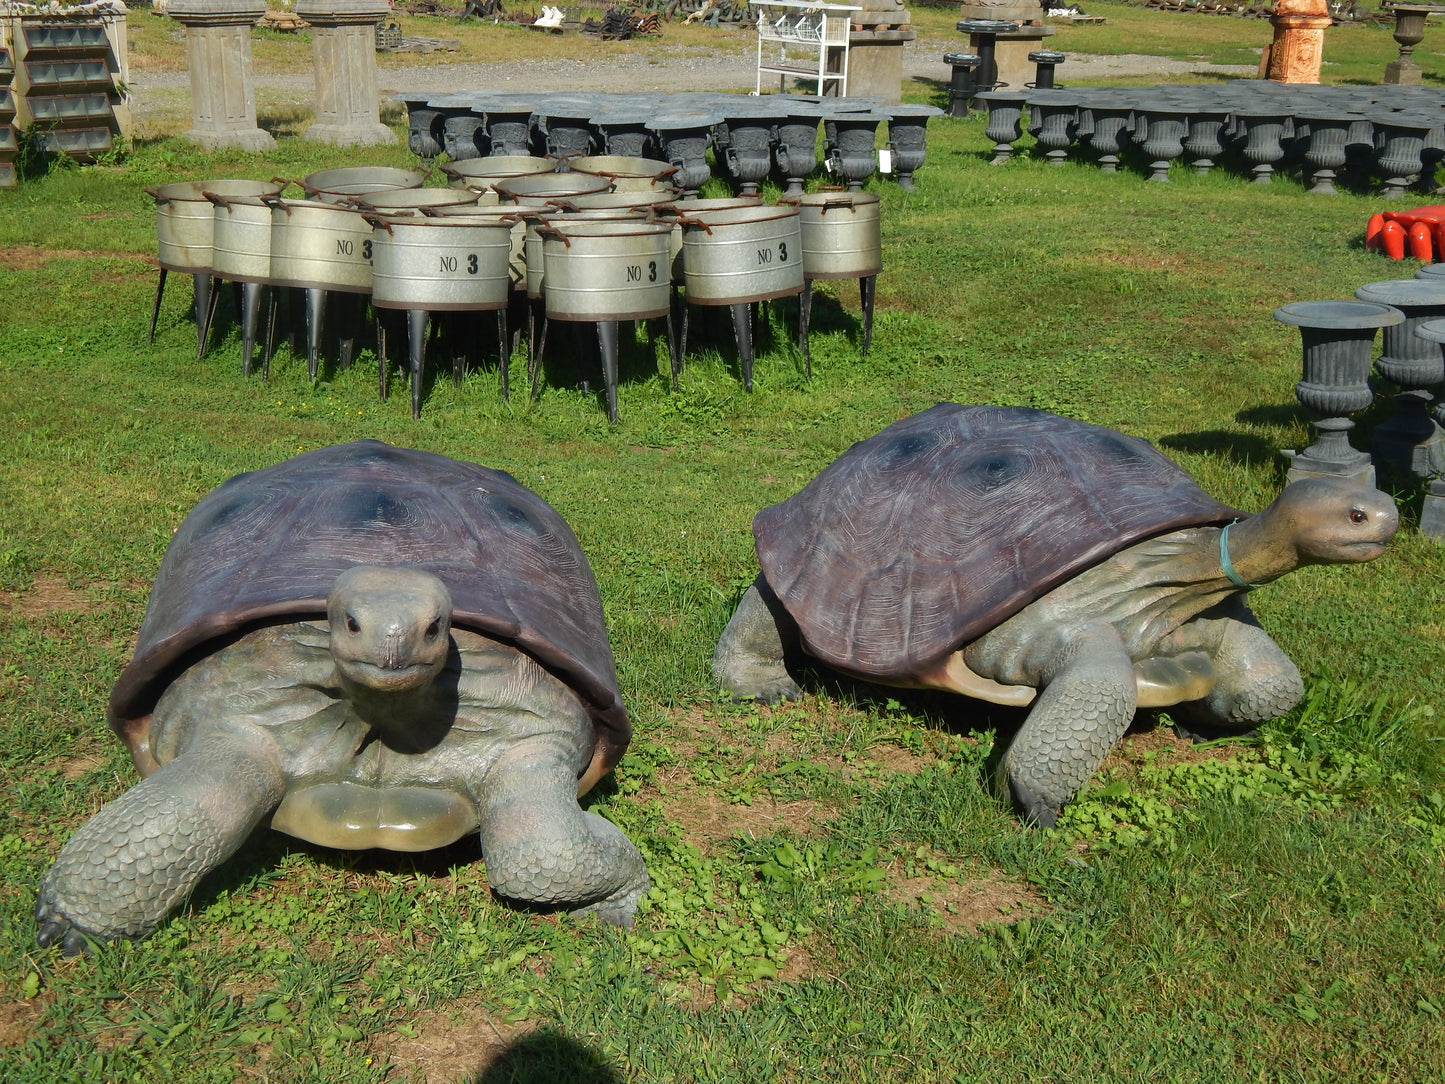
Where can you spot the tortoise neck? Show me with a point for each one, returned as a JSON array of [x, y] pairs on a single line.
[[1254, 553]]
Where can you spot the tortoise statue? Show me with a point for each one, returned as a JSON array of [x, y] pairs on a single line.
[[363, 646], [1022, 558]]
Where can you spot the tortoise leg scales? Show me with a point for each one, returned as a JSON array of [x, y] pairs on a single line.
[[541, 848], [136, 860], [1083, 708], [750, 658]]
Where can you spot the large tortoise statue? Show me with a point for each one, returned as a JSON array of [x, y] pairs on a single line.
[[363, 646], [1027, 559]]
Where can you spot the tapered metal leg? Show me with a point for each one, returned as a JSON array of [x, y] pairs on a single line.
[[205, 309], [504, 356], [315, 307], [866, 288], [805, 323], [536, 362], [607, 343], [416, 325], [743, 333], [381, 319], [674, 350], [250, 311], [156, 309], [273, 312]]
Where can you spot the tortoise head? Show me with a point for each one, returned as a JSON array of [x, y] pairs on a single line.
[[1314, 521], [1335, 519], [390, 627]]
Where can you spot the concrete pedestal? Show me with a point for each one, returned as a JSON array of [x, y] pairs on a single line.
[[875, 64], [343, 45], [218, 54]]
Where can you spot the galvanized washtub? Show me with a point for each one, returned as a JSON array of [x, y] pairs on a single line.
[[605, 269], [538, 189], [330, 185], [841, 234], [315, 245], [186, 218], [627, 174], [411, 201], [482, 174], [241, 237], [451, 264], [738, 254], [515, 216], [534, 249]]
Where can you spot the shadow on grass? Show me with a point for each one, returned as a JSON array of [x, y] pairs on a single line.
[[547, 1056], [1243, 448]]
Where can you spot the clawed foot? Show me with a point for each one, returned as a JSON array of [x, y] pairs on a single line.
[[54, 928], [1033, 809], [768, 691], [618, 909]]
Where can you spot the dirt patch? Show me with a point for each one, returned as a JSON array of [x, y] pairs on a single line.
[[964, 906], [34, 257], [708, 820], [1151, 742], [48, 594], [17, 1018], [456, 1046]]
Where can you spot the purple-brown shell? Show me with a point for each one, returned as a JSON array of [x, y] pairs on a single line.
[[922, 538], [264, 547]]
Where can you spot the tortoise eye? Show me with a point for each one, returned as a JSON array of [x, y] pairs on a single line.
[[433, 629], [352, 625], [1357, 515]]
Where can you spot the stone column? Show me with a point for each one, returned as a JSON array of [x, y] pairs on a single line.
[[218, 54], [875, 50], [343, 43]]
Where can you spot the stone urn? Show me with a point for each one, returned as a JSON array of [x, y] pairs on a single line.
[[1338, 338]]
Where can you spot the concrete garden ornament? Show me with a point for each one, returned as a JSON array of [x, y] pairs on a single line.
[[363, 646], [1026, 559]]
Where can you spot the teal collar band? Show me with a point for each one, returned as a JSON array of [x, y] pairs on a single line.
[[1228, 566]]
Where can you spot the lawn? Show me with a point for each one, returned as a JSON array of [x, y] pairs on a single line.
[[838, 893]]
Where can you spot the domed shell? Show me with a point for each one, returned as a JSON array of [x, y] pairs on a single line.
[[924, 537], [265, 546]]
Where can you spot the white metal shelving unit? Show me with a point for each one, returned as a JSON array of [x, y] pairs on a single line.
[[803, 39]]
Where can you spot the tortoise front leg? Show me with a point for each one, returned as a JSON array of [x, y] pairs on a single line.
[[1085, 703], [136, 860], [1256, 680], [540, 847]]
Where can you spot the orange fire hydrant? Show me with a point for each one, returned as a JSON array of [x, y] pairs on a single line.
[[1298, 48]]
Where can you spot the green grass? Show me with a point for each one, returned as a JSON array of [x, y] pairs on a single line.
[[839, 896]]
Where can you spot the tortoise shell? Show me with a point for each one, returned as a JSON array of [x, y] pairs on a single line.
[[922, 538], [264, 547]]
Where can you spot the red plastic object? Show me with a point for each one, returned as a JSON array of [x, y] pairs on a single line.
[[1372, 230], [1392, 237], [1422, 241]]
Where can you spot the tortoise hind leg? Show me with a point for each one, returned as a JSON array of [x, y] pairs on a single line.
[[542, 848], [1085, 703], [750, 658], [136, 860]]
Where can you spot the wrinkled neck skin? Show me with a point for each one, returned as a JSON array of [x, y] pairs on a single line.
[[407, 720], [1261, 553]]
